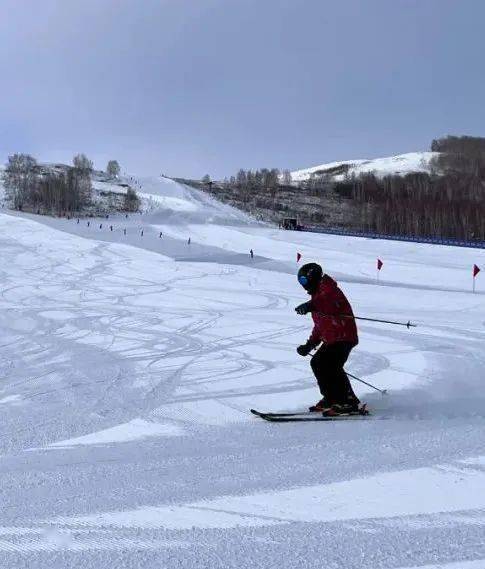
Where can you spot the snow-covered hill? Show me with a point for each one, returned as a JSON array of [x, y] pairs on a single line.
[[129, 359], [401, 164]]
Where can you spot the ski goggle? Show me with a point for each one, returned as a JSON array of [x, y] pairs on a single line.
[[303, 280]]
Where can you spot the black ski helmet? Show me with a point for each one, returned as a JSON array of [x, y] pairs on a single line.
[[309, 276]]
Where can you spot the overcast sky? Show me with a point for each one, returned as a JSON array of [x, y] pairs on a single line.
[[188, 87]]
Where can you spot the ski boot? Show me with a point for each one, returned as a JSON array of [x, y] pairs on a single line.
[[344, 409], [319, 407]]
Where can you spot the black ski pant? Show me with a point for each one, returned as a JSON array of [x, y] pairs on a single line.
[[328, 367]]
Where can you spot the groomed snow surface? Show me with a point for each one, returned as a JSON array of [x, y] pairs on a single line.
[[128, 364]]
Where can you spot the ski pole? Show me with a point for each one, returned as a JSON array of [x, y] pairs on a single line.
[[382, 391], [408, 324]]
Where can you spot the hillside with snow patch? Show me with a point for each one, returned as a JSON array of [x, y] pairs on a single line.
[[399, 165]]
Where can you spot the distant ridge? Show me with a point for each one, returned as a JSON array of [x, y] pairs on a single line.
[[401, 164]]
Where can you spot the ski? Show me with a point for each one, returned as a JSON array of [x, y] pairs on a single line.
[[308, 416], [284, 414]]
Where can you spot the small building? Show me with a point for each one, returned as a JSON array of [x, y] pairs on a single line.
[[290, 223]]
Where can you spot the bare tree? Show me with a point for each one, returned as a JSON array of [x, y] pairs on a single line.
[[82, 163], [286, 178], [83, 168], [20, 179], [113, 169], [241, 178], [132, 201]]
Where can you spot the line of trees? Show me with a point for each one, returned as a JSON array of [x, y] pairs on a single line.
[[420, 205], [449, 202], [55, 189], [250, 182], [29, 185], [257, 179]]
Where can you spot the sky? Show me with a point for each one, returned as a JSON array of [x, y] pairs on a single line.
[[195, 87]]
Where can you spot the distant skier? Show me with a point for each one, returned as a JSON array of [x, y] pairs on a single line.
[[334, 328], [251, 252]]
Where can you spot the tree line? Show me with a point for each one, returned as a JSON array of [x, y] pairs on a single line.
[[264, 178], [55, 189], [420, 205], [250, 186], [448, 202]]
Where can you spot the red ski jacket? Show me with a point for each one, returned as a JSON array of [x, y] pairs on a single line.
[[327, 303]]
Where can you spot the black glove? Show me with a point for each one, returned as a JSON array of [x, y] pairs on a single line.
[[304, 308], [305, 349]]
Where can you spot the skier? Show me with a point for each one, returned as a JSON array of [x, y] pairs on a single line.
[[334, 328]]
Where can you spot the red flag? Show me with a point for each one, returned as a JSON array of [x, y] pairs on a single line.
[[379, 264], [298, 257], [476, 270]]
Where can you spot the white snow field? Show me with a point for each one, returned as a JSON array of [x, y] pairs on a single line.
[[400, 165], [128, 365]]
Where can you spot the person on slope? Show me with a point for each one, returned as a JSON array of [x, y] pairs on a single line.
[[334, 328]]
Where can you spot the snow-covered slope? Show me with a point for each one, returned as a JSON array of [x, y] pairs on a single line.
[[401, 164], [128, 363], [2, 188]]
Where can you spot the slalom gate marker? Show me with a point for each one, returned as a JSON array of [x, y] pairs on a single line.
[[379, 267], [476, 270]]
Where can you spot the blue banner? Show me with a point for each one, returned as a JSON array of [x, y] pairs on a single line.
[[434, 240]]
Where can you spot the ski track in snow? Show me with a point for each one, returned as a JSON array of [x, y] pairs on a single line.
[[128, 365]]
